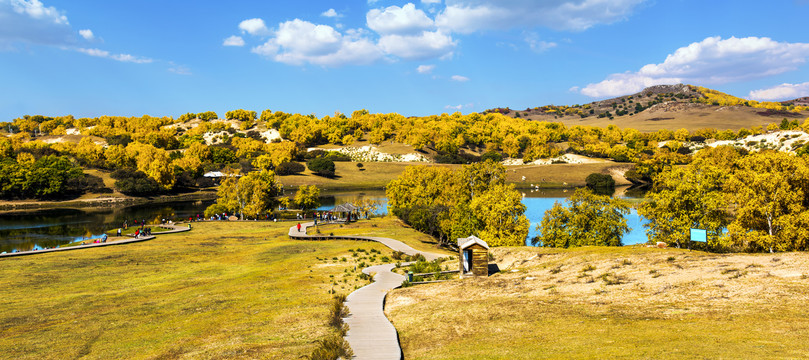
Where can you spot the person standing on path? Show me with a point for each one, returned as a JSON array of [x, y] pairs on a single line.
[[299, 227]]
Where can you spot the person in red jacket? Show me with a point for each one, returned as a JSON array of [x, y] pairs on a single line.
[[299, 227]]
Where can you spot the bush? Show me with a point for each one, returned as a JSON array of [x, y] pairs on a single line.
[[289, 168], [313, 154], [596, 180], [321, 166], [491, 155], [336, 156], [135, 183]]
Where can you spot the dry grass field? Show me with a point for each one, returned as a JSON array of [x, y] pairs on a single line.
[[598, 303], [696, 116]]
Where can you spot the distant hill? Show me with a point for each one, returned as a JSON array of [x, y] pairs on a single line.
[[804, 101], [669, 107]]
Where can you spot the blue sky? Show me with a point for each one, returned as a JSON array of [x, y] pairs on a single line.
[[91, 58]]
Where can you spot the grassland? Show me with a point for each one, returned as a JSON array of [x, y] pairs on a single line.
[[631, 302], [224, 290], [376, 175]]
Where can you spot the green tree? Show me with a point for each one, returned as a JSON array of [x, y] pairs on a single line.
[[587, 220], [321, 166], [307, 197], [600, 181]]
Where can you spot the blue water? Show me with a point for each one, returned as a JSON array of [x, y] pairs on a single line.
[[536, 204], [536, 207], [50, 228]]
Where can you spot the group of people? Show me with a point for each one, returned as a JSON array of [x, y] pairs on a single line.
[[143, 232], [222, 216]]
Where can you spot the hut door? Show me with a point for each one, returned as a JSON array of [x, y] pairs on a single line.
[[467, 260]]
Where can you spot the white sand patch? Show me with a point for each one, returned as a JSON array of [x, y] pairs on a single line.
[[370, 153], [271, 135], [53, 140], [212, 138], [776, 140], [567, 158], [73, 131]]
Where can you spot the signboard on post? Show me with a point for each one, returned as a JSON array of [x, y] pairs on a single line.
[[699, 235]]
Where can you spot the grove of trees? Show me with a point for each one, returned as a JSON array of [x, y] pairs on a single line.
[[746, 202], [455, 204]]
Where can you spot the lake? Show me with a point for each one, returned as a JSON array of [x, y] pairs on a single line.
[[21, 231]]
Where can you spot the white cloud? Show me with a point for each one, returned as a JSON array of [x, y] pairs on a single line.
[[180, 69], [405, 20], [307, 38], [427, 45], [459, 78], [254, 26], [330, 13], [87, 34], [459, 107], [117, 57], [781, 92], [711, 61], [36, 10], [234, 41], [33, 22], [425, 69], [467, 16], [30, 21], [538, 45], [299, 42]]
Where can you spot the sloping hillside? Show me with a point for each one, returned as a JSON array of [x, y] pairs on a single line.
[[668, 107]]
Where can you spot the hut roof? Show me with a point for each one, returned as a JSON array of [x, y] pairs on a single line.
[[464, 243], [347, 207]]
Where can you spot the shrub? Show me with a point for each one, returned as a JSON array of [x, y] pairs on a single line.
[[314, 154], [135, 183], [491, 155], [289, 168], [321, 166], [336, 156], [596, 180]]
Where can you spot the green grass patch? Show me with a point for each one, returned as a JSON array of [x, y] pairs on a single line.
[[224, 290]]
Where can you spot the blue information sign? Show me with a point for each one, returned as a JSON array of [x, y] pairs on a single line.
[[699, 235]]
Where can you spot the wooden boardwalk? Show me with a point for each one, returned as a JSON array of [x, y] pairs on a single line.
[[370, 333], [173, 229]]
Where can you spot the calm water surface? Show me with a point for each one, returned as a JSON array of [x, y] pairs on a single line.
[[54, 227]]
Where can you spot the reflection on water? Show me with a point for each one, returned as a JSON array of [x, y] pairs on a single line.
[[328, 200], [54, 227], [539, 201], [34, 230]]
